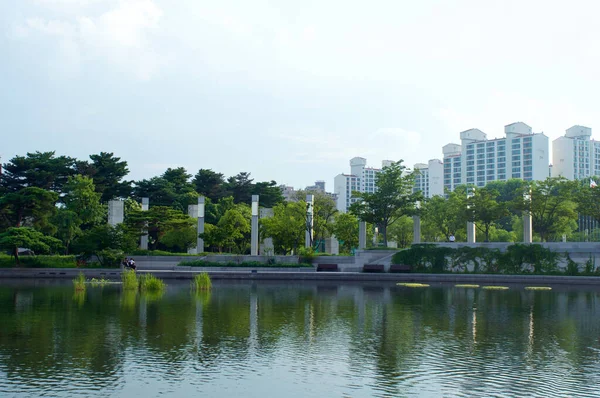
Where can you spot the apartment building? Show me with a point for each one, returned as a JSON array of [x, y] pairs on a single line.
[[360, 179], [575, 155]]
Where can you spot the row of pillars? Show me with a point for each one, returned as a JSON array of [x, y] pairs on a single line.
[[471, 233], [116, 212]]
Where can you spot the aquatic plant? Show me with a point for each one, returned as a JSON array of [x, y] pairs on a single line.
[[413, 284], [538, 288], [129, 279], [467, 286], [99, 282], [495, 287], [150, 283], [202, 281], [79, 282]]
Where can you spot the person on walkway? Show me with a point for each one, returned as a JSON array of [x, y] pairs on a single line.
[[451, 238]]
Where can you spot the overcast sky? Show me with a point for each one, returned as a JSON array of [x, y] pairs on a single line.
[[288, 90]]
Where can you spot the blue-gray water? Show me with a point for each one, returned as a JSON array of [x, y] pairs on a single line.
[[259, 339]]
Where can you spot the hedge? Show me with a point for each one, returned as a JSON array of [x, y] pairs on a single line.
[[244, 264]]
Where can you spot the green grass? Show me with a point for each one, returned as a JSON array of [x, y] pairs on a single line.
[[79, 282], [202, 282], [245, 264], [129, 279], [41, 261], [150, 283]]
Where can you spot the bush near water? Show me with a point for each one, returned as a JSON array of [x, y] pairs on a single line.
[[517, 259]]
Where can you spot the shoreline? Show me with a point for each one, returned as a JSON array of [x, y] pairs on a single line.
[[308, 275]]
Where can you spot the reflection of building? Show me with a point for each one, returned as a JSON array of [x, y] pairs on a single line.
[[576, 155], [360, 179]]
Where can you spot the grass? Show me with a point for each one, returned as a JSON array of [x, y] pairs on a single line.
[[99, 282], [495, 287], [79, 282], [40, 261], [150, 283], [467, 286], [538, 288], [413, 284], [202, 282], [129, 279]]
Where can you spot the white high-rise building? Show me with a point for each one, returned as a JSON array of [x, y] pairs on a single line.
[[477, 161], [430, 178], [360, 179], [576, 155]]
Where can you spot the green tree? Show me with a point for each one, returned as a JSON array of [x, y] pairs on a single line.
[[393, 198], [587, 199], [15, 237], [402, 231], [484, 210], [446, 215], [158, 221], [269, 193], [240, 187], [552, 206], [39, 169], [80, 197], [286, 227], [345, 228], [209, 184], [27, 207], [107, 172], [68, 227], [324, 211]]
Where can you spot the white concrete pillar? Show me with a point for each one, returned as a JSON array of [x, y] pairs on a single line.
[[116, 212], [471, 237], [362, 235], [193, 213], [416, 229], [527, 225], [144, 238], [308, 235], [332, 245], [254, 231], [199, 240]]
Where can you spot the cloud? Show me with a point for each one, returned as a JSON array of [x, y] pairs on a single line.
[[120, 34]]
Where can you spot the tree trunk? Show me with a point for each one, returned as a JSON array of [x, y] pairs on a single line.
[[16, 254]]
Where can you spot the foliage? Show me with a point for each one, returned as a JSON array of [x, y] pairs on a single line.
[[42, 170], [79, 282], [202, 282], [81, 198], [484, 210], [29, 206], [324, 211], [108, 172], [29, 238], [402, 231], [286, 227], [209, 184], [518, 259], [150, 283], [42, 261], [393, 198], [244, 264], [444, 214], [129, 279], [306, 255], [159, 221], [345, 228]]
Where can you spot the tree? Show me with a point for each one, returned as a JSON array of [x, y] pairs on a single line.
[[286, 227], [68, 225], [232, 230], [179, 180], [345, 228], [209, 184], [446, 214], [587, 199], [484, 210], [402, 231], [393, 198], [158, 221], [240, 187], [324, 210], [108, 172], [269, 193], [81, 198], [40, 169], [552, 207], [32, 206], [16, 237]]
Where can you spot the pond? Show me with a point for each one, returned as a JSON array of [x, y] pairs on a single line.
[[309, 339]]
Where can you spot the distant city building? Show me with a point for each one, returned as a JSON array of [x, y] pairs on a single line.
[[429, 178], [289, 193], [476, 160], [360, 179], [575, 155]]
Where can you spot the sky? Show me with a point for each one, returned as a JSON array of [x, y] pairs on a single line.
[[287, 90]]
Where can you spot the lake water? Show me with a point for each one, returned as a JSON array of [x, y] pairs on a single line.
[[266, 339]]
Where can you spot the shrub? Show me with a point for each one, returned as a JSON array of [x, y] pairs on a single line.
[[79, 282], [150, 283], [245, 264], [40, 261], [202, 282], [129, 279]]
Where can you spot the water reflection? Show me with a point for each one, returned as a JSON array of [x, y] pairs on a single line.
[[307, 339]]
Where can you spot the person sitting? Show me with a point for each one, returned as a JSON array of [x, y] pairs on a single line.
[[132, 264], [451, 238]]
